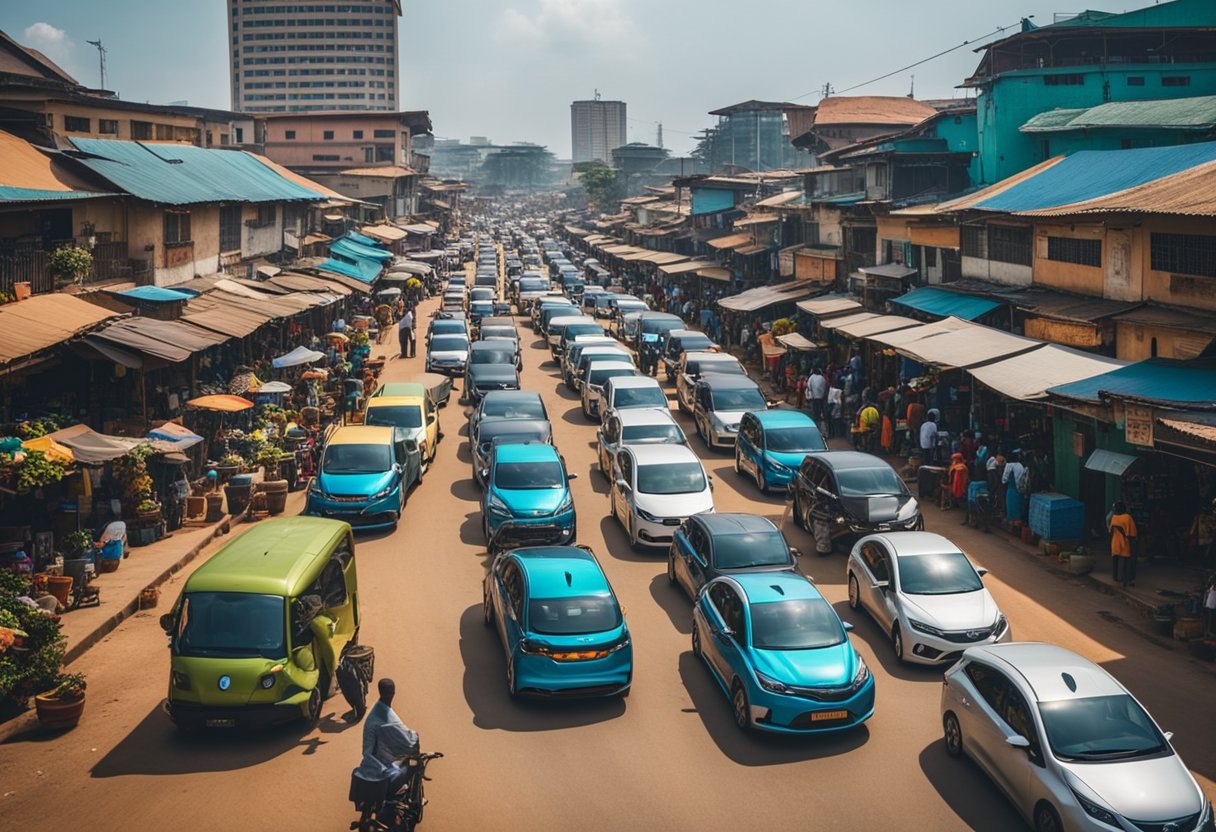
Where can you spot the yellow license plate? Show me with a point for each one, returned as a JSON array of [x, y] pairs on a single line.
[[821, 716]]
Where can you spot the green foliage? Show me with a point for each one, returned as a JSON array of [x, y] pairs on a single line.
[[70, 263], [604, 187], [131, 469], [37, 470], [76, 543], [34, 669], [69, 687], [269, 457], [232, 460]]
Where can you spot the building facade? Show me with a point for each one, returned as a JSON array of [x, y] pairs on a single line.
[[313, 56], [596, 129]]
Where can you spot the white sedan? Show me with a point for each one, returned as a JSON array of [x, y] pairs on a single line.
[[655, 488], [925, 594]]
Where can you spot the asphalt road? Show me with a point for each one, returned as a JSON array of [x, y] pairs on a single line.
[[668, 757]]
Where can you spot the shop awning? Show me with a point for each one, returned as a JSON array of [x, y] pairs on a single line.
[[418, 229], [305, 283], [874, 326], [935, 301], [407, 267], [663, 258], [384, 233], [1027, 377], [221, 402], [902, 337], [433, 254], [94, 448], [155, 294], [224, 314], [715, 274], [971, 345], [798, 341], [825, 305], [686, 266], [756, 219], [637, 254], [749, 250], [347, 247], [51, 449], [296, 358], [362, 270], [1163, 381], [846, 320], [762, 297], [45, 321], [893, 271], [172, 341], [180, 437], [1110, 462], [730, 241]]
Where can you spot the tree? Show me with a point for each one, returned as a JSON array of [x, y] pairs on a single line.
[[602, 184]]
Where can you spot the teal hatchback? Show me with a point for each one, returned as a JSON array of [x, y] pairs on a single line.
[[772, 444], [527, 500]]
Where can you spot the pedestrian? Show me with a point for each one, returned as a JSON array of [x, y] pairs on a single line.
[[1203, 533], [800, 390], [835, 411], [405, 334], [791, 378], [868, 420], [959, 478], [914, 416], [1016, 479], [1122, 545], [817, 392], [1209, 608], [928, 437]]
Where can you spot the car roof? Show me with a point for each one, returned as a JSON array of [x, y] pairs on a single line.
[[513, 395], [850, 459], [735, 522], [361, 435], [609, 365], [911, 544], [502, 425], [526, 452], [684, 333], [394, 401], [660, 454], [561, 571], [489, 346], [709, 355], [276, 556], [451, 335], [782, 418], [634, 381], [645, 416], [1049, 669], [401, 390], [563, 320], [498, 320], [721, 381], [762, 587]]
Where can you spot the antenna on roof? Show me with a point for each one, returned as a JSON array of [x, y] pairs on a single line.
[[101, 59], [912, 89], [597, 95], [660, 137]]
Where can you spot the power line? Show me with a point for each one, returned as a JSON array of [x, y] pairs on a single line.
[[997, 31]]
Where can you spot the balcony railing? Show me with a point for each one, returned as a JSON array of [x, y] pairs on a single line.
[[25, 263]]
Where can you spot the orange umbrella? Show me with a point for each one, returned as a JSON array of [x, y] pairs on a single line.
[[311, 374], [222, 403]]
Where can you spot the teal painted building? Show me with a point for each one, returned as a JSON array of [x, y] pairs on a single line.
[[1166, 51]]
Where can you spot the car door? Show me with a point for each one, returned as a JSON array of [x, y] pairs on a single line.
[[822, 493], [685, 542], [609, 437], [729, 643], [750, 441], [876, 565], [622, 487], [983, 724], [431, 417], [700, 560], [717, 602]]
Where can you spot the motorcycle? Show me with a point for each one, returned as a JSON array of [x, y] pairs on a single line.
[[400, 812]]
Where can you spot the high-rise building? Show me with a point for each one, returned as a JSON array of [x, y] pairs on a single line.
[[596, 129], [312, 56]]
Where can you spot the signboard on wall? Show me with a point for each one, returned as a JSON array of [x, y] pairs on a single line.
[[1138, 425]]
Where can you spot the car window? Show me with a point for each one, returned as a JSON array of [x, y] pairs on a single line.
[[875, 560], [1018, 717], [696, 539], [863, 482], [529, 475], [625, 461], [738, 399], [639, 397], [733, 614], [612, 431], [1105, 728], [512, 581], [744, 549], [571, 616], [796, 624], [671, 478], [992, 685], [938, 573], [331, 585], [356, 459], [794, 440]]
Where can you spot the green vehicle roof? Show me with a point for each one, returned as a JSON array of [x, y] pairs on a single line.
[[278, 556]]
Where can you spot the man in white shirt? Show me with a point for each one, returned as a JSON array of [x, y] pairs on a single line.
[[928, 437], [817, 392], [386, 739], [405, 334]]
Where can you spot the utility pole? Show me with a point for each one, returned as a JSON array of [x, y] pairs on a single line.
[[660, 137], [827, 90], [101, 59]]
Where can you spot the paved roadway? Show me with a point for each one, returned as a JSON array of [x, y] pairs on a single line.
[[668, 757]]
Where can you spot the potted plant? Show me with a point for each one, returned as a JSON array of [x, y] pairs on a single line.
[[33, 665], [76, 544], [62, 705], [268, 457], [148, 510], [70, 264], [228, 465]]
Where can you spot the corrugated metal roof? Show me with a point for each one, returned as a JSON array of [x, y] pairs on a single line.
[[970, 345], [43, 321], [305, 182], [780, 199], [1157, 380], [756, 219], [936, 301], [384, 233], [964, 203], [1027, 377], [225, 314], [714, 273], [1189, 193], [664, 258], [846, 320], [1169, 318], [730, 241], [364, 270], [871, 109], [687, 266], [1062, 307], [29, 175], [875, 326], [385, 172], [748, 250], [155, 294], [1197, 113], [1196, 430], [832, 304], [178, 174], [762, 297], [306, 283], [173, 341]]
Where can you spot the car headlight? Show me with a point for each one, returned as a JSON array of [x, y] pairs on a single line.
[[771, 685], [498, 507], [566, 505], [733, 427], [1000, 625], [922, 627], [777, 466], [863, 672], [647, 516], [1097, 812], [908, 511], [315, 489]]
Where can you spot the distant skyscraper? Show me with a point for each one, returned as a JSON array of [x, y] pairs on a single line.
[[596, 128], [310, 57]]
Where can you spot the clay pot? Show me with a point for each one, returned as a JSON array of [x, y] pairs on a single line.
[[60, 586], [56, 714]]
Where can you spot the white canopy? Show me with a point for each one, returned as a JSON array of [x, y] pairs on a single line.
[[875, 326], [1028, 376], [832, 304], [762, 297], [968, 345]]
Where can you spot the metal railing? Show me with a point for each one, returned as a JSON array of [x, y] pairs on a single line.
[[24, 263]]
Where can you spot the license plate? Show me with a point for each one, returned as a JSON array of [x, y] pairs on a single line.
[[824, 716], [221, 723], [672, 521]]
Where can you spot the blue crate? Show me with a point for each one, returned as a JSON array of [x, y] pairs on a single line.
[[1057, 517]]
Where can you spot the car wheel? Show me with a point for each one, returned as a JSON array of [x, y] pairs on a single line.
[[700, 433], [313, 716], [952, 734], [761, 480], [487, 608], [424, 462], [897, 639], [671, 568], [796, 510], [696, 639], [740, 707], [854, 593], [680, 403], [633, 535], [1046, 819], [512, 690]]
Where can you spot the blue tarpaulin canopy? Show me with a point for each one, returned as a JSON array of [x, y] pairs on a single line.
[[298, 356], [362, 270], [1156, 380], [351, 248], [362, 239], [181, 438], [946, 304], [157, 294]]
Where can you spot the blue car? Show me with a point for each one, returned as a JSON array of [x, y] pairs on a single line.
[[365, 474], [527, 500], [561, 627], [781, 654], [772, 444]]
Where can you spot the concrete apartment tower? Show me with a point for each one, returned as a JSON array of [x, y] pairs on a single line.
[[311, 56], [597, 128]]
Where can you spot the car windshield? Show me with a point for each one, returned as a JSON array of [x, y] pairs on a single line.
[[741, 550], [794, 440], [671, 478], [232, 625], [496, 356], [488, 332], [653, 326], [400, 416], [694, 342], [450, 343], [575, 616], [530, 475], [513, 407], [639, 434], [806, 624], [728, 368], [596, 377], [574, 330], [1100, 729], [863, 482], [738, 399], [639, 397], [938, 573], [448, 328], [533, 285], [356, 459]]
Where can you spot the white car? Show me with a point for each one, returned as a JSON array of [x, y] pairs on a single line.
[[630, 392], [635, 426], [925, 594], [655, 488], [553, 333], [1069, 746], [695, 363], [598, 373], [447, 354]]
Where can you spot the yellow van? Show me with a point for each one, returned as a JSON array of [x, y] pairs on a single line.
[[259, 628]]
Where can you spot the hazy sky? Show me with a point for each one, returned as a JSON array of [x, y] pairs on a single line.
[[508, 69]]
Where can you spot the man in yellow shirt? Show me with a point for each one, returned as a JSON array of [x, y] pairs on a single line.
[[1122, 545], [869, 421]]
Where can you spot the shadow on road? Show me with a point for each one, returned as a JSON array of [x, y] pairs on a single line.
[[472, 530], [866, 629], [466, 488], [964, 788], [673, 601], [575, 416], [711, 705], [485, 688], [618, 543], [597, 481], [155, 746]]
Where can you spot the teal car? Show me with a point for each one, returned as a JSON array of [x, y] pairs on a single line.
[[527, 500], [366, 473], [772, 444]]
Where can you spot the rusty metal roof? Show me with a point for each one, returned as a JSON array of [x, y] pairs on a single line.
[[1063, 307], [29, 175], [1170, 319], [45, 321], [872, 109]]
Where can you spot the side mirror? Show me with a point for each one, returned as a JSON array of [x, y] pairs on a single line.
[[621, 484], [397, 469], [304, 658], [1017, 741], [167, 623], [881, 584], [726, 632], [795, 552], [1169, 735], [848, 628], [981, 571], [571, 476], [432, 419]]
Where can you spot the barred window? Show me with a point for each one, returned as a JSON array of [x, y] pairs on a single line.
[[973, 241], [1183, 253], [177, 228], [230, 227], [1072, 250], [1010, 244]]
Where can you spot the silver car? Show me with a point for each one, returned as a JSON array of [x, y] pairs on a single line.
[[1069, 746], [925, 594], [655, 488], [635, 426], [598, 373]]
